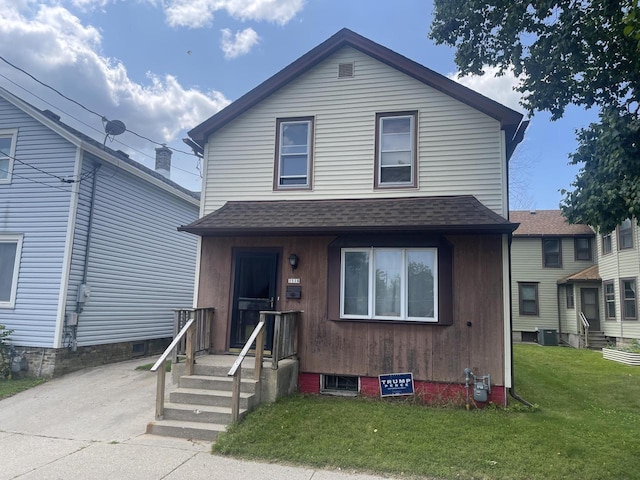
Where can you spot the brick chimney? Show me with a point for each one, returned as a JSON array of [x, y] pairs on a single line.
[[163, 161]]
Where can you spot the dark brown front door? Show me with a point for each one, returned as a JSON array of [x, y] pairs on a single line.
[[589, 305], [254, 289]]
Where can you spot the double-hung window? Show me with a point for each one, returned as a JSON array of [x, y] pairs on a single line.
[[10, 248], [629, 302], [7, 152], [294, 153], [625, 235], [389, 284], [552, 252], [569, 294], [396, 145], [582, 248], [609, 300], [528, 293], [606, 244]]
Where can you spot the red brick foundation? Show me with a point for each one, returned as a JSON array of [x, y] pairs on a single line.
[[431, 393]]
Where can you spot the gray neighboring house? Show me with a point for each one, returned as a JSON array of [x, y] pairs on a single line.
[[554, 278], [91, 262]]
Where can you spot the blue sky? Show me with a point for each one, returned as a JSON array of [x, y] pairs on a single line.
[[163, 66]]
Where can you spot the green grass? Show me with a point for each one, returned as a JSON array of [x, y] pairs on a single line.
[[147, 366], [11, 387], [586, 426]]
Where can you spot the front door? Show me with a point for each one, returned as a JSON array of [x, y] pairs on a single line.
[[589, 303], [254, 289]]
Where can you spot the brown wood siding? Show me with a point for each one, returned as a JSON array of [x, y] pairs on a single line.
[[437, 353]]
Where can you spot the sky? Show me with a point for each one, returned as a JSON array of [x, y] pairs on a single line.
[[164, 66]]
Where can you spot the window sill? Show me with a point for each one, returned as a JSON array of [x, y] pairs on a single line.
[[392, 322]]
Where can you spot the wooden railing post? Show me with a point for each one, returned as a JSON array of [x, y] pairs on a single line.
[[160, 393], [257, 369], [235, 395], [277, 332], [191, 349]]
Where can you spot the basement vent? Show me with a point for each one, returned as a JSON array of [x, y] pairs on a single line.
[[339, 384], [345, 70]]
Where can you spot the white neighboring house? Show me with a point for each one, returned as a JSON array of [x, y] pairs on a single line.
[[91, 262], [554, 278]]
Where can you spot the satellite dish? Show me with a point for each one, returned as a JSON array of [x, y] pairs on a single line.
[[114, 127]]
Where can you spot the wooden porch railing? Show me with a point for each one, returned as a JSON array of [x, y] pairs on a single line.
[[285, 344], [585, 329], [195, 335]]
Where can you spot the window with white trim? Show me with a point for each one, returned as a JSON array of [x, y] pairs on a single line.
[[7, 152], [609, 300], [389, 284], [10, 249], [629, 298], [625, 235], [294, 153], [396, 158]]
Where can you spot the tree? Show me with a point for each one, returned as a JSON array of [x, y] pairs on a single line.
[[582, 52]]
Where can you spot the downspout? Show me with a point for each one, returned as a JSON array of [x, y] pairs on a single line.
[[512, 389], [558, 304]]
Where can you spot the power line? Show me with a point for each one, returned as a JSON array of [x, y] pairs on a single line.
[[102, 117]]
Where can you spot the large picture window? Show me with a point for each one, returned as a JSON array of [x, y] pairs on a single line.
[[7, 152], [10, 248], [294, 153], [396, 158], [390, 284]]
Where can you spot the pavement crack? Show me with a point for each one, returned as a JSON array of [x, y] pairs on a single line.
[[181, 464]]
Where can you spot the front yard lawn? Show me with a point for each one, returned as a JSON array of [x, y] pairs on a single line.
[[11, 387], [586, 425]]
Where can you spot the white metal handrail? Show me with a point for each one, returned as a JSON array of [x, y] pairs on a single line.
[[585, 328]]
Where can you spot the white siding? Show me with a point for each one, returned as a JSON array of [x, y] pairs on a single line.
[[614, 266], [37, 205], [140, 266], [526, 266], [460, 148]]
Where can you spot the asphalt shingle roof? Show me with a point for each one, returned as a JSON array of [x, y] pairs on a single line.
[[591, 273], [537, 223], [409, 214]]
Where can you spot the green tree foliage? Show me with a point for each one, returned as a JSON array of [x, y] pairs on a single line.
[[582, 52]]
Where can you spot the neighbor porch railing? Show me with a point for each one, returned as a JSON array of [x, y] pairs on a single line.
[[584, 326], [285, 345], [194, 327]]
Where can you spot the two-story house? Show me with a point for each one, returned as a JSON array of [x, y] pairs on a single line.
[[554, 278], [619, 265], [377, 189], [91, 263]]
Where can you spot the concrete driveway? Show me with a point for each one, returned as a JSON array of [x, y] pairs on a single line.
[[91, 425]]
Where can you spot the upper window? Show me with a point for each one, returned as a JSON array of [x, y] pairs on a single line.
[[606, 243], [7, 152], [10, 248], [396, 145], [294, 153], [609, 300], [389, 284], [528, 293], [625, 235], [552, 252], [582, 248], [628, 290]]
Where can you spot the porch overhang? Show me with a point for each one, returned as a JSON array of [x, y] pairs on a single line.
[[445, 214], [590, 274]]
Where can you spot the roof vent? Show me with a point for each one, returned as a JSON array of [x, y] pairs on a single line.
[[51, 115], [532, 212], [345, 70]]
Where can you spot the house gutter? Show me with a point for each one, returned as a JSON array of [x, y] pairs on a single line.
[[512, 389]]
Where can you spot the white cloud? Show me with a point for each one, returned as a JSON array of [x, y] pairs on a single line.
[[498, 88], [200, 13], [239, 44]]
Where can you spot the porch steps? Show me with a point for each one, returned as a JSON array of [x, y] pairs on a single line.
[[597, 340], [200, 407]]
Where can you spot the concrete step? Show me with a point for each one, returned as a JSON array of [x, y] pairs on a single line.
[[218, 371], [219, 398], [206, 382], [199, 413], [189, 430]]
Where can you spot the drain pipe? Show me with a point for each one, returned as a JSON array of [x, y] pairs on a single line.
[[512, 389]]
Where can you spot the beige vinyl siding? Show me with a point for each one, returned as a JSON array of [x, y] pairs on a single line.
[[459, 148], [526, 266], [614, 266]]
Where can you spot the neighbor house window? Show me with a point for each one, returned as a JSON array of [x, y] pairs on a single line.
[[528, 293], [396, 145], [625, 235], [10, 248], [389, 284], [609, 300], [7, 152], [582, 247], [569, 294], [552, 252], [294, 153], [628, 290], [606, 244]]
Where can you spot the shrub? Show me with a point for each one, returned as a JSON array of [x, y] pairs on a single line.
[[5, 357]]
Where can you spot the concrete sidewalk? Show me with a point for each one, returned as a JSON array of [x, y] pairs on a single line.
[[90, 425]]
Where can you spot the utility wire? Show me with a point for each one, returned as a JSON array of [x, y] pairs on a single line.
[[13, 174], [102, 117]]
